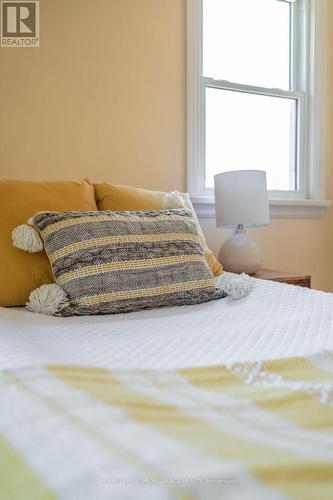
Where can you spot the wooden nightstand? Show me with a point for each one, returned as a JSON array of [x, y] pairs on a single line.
[[284, 277]]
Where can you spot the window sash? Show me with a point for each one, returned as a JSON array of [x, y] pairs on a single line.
[[299, 90], [300, 98]]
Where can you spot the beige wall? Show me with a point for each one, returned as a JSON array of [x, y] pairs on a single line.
[[104, 96]]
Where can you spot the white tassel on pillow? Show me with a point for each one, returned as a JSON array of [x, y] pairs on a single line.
[[47, 299], [236, 287], [26, 237], [173, 200]]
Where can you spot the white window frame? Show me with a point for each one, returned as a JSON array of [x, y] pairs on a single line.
[[309, 76]]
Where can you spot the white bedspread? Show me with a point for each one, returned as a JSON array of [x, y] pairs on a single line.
[[274, 321]]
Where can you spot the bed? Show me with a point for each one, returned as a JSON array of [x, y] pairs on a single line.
[[226, 399]]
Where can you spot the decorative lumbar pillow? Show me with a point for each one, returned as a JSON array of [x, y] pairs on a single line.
[[21, 272], [117, 197], [112, 262]]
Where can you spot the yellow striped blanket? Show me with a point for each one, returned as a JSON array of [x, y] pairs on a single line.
[[257, 430]]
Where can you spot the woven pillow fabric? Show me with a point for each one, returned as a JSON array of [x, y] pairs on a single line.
[[118, 197], [112, 262]]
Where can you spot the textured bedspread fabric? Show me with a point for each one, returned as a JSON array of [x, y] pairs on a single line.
[[273, 321], [171, 403], [254, 430]]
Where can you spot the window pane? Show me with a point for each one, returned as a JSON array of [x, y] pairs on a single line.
[[247, 41], [250, 131]]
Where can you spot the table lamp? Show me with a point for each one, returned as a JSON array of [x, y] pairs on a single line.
[[241, 201]]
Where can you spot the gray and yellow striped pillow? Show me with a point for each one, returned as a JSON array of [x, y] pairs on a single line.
[[111, 262]]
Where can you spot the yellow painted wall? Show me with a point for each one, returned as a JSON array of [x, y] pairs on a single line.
[[104, 96]]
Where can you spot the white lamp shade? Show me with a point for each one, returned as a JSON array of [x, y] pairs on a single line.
[[241, 198]]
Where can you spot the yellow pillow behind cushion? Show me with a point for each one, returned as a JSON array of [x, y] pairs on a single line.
[[117, 197], [21, 272]]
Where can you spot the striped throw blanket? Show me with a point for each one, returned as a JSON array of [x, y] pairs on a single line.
[[259, 430]]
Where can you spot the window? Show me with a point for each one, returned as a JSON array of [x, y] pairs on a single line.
[[255, 94]]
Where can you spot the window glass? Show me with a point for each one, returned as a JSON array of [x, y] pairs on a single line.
[[251, 131], [247, 41]]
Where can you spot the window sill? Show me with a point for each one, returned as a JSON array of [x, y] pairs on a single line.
[[279, 208]]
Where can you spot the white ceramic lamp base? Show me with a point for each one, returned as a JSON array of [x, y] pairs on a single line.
[[240, 253]]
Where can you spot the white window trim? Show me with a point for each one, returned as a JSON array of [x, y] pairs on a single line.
[[311, 203]]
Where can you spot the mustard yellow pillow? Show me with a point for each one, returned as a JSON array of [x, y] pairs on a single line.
[[116, 197], [21, 272]]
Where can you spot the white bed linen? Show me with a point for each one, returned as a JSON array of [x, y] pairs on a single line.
[[274, 321]]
